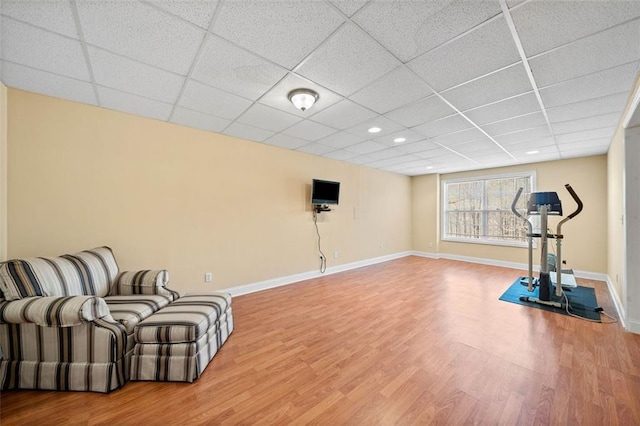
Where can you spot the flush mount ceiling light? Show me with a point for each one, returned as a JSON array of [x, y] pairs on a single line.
[[531, 152], [303, 99], [374, 129], [399, 140]]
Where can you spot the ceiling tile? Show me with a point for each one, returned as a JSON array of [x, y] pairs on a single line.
[[609, 82], [507, 108], [341, 140], [199, 120], [46, 51], [597, 122], [584, 152], [308, 130], [212, 101], [235, 70], [280, 23], [133, 77], [245, 131], [524, 136], [495, 159], [265, 117], [367, 147], [388, 153], [441, 154], [479, 147], [448, 159], [33, 80], [503, 84], [463, 136], [343, 115], [393, 161], [410, 28], [340, 154], [513, 3], [349, 7], [420, 146], [409, 136], [387, 127], [522, 122], [278, 97], [348, 61], [393, 90], [138, 31], [521, 150], [549, 143], [479, 52], [588, 55], [426, 110], [451, 124], [285, 141], [537, 158], [361, 159], [545, 25], [316, 149], [606, 132], [198, 12], [592, 143], [133, 104], [603, 105], [53, 16]]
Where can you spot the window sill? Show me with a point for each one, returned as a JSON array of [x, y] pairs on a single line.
[[517, 244]]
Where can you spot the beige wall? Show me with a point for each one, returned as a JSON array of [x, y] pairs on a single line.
[[3, 172], [585, 243], [166, 196], [615, 229], [426, 214]]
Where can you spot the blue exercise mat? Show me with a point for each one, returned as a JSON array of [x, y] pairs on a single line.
[[582, 300]]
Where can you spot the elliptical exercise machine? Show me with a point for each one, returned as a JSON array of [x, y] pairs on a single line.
[[545, 204]]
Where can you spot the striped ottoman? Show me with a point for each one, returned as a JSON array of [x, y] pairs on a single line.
[[177, 342]]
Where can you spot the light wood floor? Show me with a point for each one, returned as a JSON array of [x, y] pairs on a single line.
[[411, 341]]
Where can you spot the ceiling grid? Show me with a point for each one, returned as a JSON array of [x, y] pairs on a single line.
[[468, 85]]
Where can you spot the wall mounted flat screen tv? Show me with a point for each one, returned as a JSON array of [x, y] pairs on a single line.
[[325, 192]]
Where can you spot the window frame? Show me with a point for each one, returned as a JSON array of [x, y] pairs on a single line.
[[484, 178]]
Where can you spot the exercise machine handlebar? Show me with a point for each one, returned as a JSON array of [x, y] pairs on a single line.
[[559, 240], [576, 199], [529, 235]]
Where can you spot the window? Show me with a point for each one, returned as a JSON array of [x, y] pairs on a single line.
[[479, 210]]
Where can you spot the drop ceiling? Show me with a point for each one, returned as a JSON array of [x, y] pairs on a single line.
[[467, 84]]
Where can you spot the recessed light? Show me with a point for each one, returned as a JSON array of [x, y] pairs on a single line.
[[374, 129], [429, 167], [399, 140], [532, 152]]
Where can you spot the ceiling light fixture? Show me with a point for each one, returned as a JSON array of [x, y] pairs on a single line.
[[399, 140], [374, 129], [303, 99], [531, 152]]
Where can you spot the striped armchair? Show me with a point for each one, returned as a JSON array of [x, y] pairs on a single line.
[[66, 323]]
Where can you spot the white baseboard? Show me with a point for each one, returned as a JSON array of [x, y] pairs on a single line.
[[622, 315], [504, 264], [290, 279], [634, 326]]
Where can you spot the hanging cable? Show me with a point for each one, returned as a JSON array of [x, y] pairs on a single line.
[[323, 258]]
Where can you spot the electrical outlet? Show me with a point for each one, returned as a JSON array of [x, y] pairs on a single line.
[[382, 246], [336, 254], [208, 277], [430, 245]]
